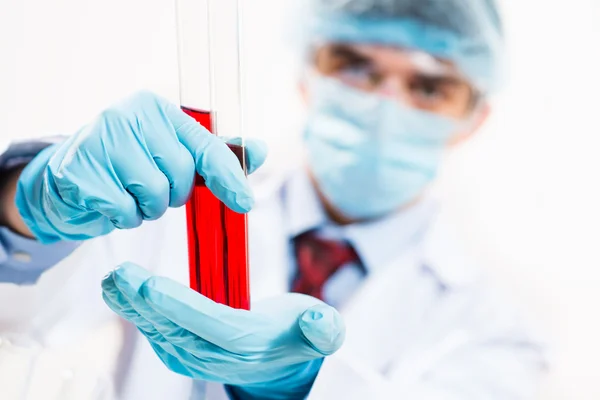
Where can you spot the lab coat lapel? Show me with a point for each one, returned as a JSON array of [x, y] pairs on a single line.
[[381, 314], [379, 318]]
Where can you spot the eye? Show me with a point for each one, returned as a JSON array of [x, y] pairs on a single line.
[[428, 89], [362, 75], [443, 95], [349, 65]]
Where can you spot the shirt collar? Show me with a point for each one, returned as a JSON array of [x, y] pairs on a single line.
[[377, 242]]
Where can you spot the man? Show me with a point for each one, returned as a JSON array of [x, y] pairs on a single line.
[[389, 86]]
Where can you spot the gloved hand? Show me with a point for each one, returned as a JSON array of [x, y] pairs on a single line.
[[272, 352], [133, 162]]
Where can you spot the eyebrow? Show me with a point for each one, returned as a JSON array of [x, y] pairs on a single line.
[[350, 54], [439, 79]]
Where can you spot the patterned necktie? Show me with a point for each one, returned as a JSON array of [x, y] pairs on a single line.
[[318, 259]]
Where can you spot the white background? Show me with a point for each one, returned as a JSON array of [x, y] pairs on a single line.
[[524, 193]]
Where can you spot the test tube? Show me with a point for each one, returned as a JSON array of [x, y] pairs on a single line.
[[210, 91]]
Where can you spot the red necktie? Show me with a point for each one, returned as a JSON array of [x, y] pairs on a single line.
[[318, 259]]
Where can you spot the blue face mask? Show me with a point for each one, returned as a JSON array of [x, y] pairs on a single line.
[[371, 155]]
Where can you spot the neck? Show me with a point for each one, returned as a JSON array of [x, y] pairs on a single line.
[[332, 213]]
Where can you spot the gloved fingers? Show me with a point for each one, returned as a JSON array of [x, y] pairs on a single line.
[[174, 357], [113, 305], [256, 154], [195, 347], [130, 159], [189, 320], [215, 323], [120, 304], [136, 274], [215, 162], [104, 194], [121, 211], [224, 176], [207, 365], [323, 328], [180, 170], [178, 166], [274, 338], [122, 289], [116, 147], [168, 352], [71, 219], [150, 188], [128, 313], [123, 306], [256, 151], [223, 338], [129, 278], [205, 369], [119, 291], [116, 302], [169, 155], [125, 291], [172, 362]]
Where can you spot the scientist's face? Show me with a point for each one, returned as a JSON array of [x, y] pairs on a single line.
[[416, 79], [379, 119]]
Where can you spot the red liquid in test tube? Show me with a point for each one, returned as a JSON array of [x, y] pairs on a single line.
[[217, 240]]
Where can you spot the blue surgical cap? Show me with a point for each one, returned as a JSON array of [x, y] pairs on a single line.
[[468, 33]]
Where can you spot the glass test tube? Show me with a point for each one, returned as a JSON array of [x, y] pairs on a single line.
[[210, 92]]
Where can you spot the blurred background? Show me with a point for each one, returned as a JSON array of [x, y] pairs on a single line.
[[525, 192]]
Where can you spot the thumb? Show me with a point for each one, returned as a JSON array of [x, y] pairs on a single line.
[[256, 151], [323, 327], [217, 164]]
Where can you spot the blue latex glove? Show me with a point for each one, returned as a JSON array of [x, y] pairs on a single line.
[[272, 352], [133, 162]]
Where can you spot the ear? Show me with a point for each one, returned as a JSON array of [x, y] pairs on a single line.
[[483, 113]]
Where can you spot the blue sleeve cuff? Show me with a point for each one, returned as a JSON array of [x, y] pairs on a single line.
[[24, 260]]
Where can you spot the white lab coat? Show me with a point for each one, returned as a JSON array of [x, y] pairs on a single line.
[[421, 328]]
